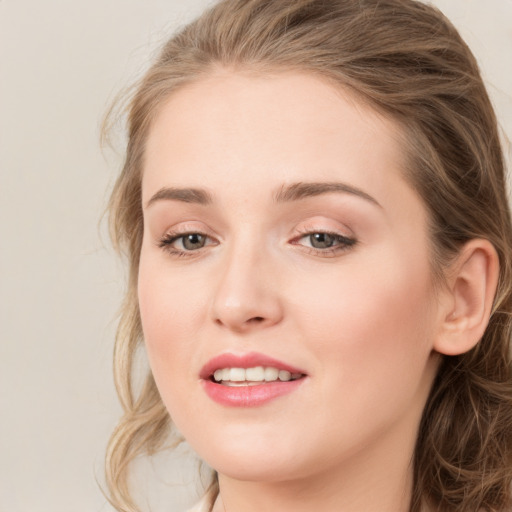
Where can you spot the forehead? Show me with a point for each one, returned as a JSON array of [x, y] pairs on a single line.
[[242, 128]]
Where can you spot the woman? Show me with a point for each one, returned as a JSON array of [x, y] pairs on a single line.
[[313, 204]]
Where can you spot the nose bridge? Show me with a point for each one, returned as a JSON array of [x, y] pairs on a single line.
[[247, 294]]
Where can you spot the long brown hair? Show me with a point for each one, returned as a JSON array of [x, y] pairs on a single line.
[[406, 60]]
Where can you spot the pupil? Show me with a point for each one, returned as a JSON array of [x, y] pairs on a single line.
[[321, 240], [193, 241]]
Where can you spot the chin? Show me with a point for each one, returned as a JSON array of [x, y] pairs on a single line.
[[258, 460]]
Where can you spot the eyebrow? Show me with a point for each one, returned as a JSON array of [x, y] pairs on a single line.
[[302, 190], [185, 195], [286, 193]]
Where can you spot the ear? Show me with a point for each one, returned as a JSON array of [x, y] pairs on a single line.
[[471, 285]]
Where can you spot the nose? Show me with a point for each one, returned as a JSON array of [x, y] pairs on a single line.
[[247, 297]]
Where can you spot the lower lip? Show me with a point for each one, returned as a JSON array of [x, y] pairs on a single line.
[[249, 396]]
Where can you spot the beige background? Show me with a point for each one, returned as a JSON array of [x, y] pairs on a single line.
[[61, 62]]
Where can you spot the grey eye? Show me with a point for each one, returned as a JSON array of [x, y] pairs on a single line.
[[322, 240], [193, 241]]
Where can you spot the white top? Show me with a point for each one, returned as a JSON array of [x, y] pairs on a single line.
[[203, 505]]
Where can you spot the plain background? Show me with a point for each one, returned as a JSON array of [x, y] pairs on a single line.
[[61, 63]]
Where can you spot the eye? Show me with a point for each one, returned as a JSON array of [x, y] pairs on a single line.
[[192, 241], [324, 243], [182, 243], [322, 240]]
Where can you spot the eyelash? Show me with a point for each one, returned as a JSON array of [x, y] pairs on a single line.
[[343, 243], [167, 241]]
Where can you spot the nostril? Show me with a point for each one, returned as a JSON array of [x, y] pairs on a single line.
[[256, 319]]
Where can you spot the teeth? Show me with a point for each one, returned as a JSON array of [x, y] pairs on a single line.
[[284, 375], [239, 384], [237, 375], [252, 376], [271, 374]]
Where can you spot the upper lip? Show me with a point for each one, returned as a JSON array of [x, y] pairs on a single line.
[[247, 360]]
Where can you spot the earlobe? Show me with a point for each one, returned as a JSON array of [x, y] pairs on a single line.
[[471, 288]]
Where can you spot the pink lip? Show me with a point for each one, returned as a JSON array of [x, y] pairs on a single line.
[[248, 360], [246, 396]]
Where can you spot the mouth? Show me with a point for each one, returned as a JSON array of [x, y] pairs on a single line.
[[249, 380], [254, 376]]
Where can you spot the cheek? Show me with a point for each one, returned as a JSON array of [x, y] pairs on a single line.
[[169, 300], [170, 317], [370, 337], [371, 324]]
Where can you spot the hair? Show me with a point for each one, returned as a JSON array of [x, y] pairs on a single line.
[[407, 61]]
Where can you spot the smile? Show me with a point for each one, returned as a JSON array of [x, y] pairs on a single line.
[[248, 380], [252, 376]]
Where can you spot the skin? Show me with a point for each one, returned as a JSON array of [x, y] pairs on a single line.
[[361, 319]]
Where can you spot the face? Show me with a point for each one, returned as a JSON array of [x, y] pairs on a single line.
[[285, 289]]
